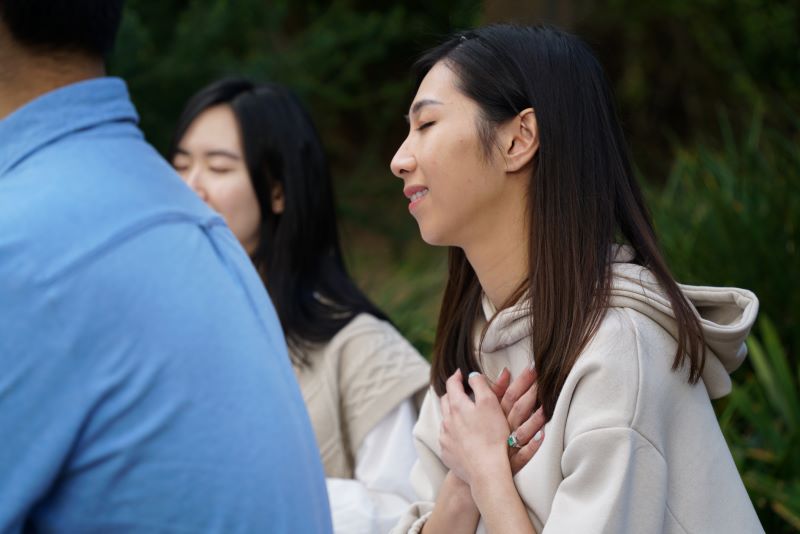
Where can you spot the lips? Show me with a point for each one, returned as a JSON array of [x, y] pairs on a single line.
[[415, 194], [413, 190]]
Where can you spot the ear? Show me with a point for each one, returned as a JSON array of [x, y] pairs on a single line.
[[277, 198], [521, 140]]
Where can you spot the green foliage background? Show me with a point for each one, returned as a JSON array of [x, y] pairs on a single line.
[[709, 93]]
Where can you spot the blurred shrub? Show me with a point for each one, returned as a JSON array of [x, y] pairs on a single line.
[[675, 63], [761, 421], [407, 285], [349, 59], [731, 216]]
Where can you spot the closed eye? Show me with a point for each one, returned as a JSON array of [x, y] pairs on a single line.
[[425, 125]]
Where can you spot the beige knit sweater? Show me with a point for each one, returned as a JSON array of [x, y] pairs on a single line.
[[632, 447], [365, 371]]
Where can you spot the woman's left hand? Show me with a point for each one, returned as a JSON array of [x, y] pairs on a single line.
[[473, 434]]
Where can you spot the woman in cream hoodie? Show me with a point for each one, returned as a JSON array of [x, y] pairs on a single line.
[[516, 160]]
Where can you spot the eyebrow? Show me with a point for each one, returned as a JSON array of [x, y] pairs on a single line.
[[210, 153], [418, 105]]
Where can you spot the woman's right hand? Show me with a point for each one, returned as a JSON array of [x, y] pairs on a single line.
[[517, 400]]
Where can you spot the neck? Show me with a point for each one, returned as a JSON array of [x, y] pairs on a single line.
[[499, 256], [27, 75]]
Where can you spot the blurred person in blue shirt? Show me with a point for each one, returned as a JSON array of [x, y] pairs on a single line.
[[144, 379]]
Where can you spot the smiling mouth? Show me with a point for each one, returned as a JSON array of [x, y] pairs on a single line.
[[418, 195]]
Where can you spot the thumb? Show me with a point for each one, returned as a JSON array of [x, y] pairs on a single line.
[[480, 387]]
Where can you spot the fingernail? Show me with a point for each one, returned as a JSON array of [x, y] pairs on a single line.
[[473, 373], [537, 436], [503, 370], [532, 365]]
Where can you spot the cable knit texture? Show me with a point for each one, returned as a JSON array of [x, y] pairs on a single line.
[[365, 371]]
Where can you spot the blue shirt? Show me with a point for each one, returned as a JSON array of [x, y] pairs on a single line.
[[144, 380]]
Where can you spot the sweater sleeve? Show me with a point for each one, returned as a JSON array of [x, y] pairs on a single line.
[[615, 480]]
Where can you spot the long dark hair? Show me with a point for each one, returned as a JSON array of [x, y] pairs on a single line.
[[582, 197], [298, 256]]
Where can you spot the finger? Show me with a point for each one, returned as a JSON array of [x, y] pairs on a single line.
[[521, 410], [480, 387], [518, 387], [455, 389], [529, 428], [524, 455], [501, 384]]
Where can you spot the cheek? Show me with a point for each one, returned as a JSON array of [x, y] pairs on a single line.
[[248, 209], [451, 154], [234, 198], [435, 161], [250, 214]]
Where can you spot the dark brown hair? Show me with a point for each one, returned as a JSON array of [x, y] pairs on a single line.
[[298, 256], [582, 198]]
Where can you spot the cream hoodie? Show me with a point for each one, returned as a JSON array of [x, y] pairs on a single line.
[[632, 446]]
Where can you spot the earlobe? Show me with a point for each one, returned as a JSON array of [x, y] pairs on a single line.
[[278, 203], [524, 142]]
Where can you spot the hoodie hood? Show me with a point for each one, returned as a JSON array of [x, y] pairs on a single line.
[[726, 317]]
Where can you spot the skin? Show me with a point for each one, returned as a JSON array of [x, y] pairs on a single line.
[[478, 203], [473, 447], [210, 159], [27, 74], [474, 203]]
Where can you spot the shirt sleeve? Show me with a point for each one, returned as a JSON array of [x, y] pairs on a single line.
[[381, 490], [615, 480], [428, 472]]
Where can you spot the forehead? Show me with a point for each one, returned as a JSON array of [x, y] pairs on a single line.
[[214, 128], [439, 85]]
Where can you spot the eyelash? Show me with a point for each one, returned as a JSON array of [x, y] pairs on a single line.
[[425, 125]]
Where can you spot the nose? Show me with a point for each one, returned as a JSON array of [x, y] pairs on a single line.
[[403, 162], [194, 179]]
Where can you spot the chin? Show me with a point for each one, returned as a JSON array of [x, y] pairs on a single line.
[[433, 238]]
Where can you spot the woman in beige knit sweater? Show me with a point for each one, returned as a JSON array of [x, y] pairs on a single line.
[[515, 159], [251, 152]]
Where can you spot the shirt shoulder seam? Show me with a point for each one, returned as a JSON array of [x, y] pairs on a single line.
[[127, 233]]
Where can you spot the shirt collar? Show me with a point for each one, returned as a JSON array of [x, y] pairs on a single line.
[[61, 112]]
